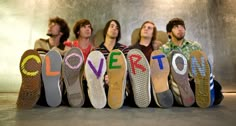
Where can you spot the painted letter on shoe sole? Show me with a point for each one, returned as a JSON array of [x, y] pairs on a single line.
[[51, 73], [95, 68], [201, 72], [71, 71], [139, 73], [30, 68], [179, 76], [117, 73], [159, 75]]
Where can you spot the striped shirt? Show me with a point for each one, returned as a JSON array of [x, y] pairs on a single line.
[[102, 48]]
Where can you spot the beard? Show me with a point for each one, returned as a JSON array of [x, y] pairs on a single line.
[[178, 37], [49, 34]]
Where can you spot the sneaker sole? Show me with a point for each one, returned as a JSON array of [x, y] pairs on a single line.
[[159, 75], [30, 69], [51, 72], [179, 73], [140, 78], [117, 73], [71, 71], [95, 68], [201, 71]]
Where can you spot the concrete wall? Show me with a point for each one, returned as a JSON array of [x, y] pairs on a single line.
[[211, 22]]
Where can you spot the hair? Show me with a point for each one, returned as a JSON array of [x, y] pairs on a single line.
[[154, 34], [173, 22], [107, 26], [79, 24], [64, 28]]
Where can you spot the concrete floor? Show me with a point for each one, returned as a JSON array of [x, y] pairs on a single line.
[[223, 115]]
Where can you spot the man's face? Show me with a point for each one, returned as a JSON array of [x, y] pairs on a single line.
[[53, 29], [178, 32], [147, 30], [85, 31], [113, 30]]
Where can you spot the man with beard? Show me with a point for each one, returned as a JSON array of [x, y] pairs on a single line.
[[176, 32], [58, 31], [36, 68], [178, 44]]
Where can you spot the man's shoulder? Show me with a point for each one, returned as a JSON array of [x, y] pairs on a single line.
[[41, 43], [121, 45], [100, 47], [41, 40], [194, 43], [135, 46], [166, 45]]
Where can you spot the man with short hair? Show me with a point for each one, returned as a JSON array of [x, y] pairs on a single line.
[[82, 30], [176, 33]]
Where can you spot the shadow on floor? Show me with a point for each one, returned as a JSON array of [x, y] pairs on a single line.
[[223, 114]]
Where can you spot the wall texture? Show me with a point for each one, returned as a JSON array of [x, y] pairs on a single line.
[[210, 22]]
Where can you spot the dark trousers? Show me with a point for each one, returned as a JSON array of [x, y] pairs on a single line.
[[129, 99], [217, 88], [87, 102], [42, 99]]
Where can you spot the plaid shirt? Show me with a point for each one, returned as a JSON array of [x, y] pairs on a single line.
[[186, 48]]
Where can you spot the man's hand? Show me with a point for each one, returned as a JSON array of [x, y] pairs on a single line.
[[106, 79]]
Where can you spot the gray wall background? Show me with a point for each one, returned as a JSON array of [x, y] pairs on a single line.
[[210, 22]]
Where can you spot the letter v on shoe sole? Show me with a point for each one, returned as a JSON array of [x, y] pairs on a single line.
[[95, 68]]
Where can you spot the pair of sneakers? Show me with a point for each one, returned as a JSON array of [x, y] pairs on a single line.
[[96, 67], [142, 75], [51, 69], [203, 79]]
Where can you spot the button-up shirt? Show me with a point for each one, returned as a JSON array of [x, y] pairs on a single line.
[[186, 48]]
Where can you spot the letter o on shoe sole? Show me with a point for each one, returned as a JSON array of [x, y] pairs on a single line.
[[71, 71], [179, 75]]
